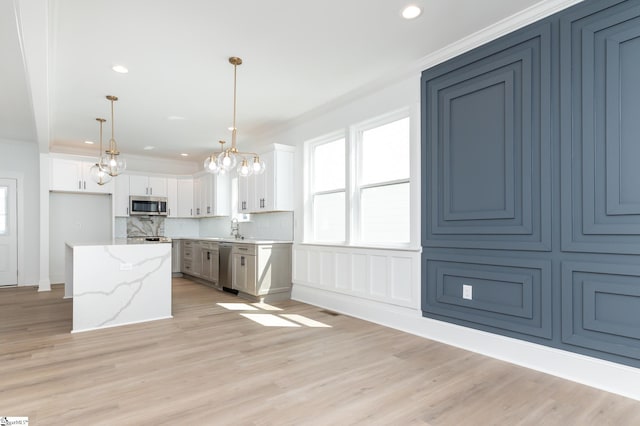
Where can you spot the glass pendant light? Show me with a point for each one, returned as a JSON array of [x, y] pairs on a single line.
[[258, 166], [244, 170], [98, 175], [226, 160], [111, 162]]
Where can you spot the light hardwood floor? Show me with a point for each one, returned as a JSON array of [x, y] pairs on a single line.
[[211, 366]]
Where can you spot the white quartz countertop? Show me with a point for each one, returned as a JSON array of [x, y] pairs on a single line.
[[233, 240], [113, 242]]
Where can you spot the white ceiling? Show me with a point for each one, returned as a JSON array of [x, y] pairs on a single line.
[[298, 57]]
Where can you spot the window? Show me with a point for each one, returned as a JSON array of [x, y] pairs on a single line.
[[383, 184], [359, 187], [328, 191]]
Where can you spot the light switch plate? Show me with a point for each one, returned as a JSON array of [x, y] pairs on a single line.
[[467, 292]]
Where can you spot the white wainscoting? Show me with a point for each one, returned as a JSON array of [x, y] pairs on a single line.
[[388, 276]]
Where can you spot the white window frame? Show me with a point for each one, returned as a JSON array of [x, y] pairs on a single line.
[[352, 135], [310, 146], [356, 133]]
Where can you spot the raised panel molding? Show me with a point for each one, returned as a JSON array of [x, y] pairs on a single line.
[[389, 276], [509, 294], [486, 146], [600, 63], [600, 307]]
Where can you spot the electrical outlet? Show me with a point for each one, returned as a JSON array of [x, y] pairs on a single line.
[[126, 266], [467, 292]]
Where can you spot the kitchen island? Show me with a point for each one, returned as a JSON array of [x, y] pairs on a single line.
[[118, 282]]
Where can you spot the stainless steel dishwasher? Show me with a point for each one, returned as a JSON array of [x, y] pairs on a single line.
[[224, 272]]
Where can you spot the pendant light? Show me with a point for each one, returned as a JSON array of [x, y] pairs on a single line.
[[111, 162], [226, 159], [98, 175]]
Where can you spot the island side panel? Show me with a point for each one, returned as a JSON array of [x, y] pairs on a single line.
[[68, 272], [120, 284]]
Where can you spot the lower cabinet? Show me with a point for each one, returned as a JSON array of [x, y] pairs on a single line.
[[209, 261], [259, 271], [262, 270], [200, 259], [187, 257]]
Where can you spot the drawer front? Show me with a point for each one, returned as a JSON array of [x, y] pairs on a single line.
[[248, 249], [187, 267], [187, 253]]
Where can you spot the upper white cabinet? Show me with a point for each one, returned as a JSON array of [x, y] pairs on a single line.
[[185, 198], [74, 176], [273, 190], [172, 197], [212, 195], [121, 195], [147, 185]]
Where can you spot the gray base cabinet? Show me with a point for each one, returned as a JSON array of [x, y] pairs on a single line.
[[200, 259], [262, 271]]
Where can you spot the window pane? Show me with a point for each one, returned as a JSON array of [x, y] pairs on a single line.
[[328, 166], [4, 201], [385, 152], [328, 217], [384, 215]]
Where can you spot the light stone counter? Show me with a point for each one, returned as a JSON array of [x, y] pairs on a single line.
[[116, 283]]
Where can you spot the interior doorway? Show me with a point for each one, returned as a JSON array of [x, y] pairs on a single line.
[[8, 232]]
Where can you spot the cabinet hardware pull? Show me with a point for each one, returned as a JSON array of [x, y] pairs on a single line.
[[241, 260], [85, 184], [150, 191], [79, 184]]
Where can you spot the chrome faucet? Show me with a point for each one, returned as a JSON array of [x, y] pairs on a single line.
[[235, 229]]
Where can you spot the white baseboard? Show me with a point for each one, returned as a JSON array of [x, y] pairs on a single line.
[[608, 376]]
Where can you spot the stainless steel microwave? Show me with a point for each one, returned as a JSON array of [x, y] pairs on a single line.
[[147, 206]]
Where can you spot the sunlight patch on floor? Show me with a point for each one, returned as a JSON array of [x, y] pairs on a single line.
[[270, 320], [238, 306], [266, 306]]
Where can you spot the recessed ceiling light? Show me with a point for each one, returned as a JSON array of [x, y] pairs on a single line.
[[411, 12], [89, 142], [184, 154], [120, 68], [175, 117], [148, 148]]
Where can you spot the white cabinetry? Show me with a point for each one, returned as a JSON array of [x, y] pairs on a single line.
[[273, 190], [262, 270], [172, 197], [121, 196], [74, 176], [185, 198], [212, 195], [148, 185]]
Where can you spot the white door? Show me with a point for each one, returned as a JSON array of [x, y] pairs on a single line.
[[8, 233]]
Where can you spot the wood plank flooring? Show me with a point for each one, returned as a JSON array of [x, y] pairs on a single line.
[[212, 366]]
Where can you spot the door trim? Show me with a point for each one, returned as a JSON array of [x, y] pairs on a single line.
[[19, 178]]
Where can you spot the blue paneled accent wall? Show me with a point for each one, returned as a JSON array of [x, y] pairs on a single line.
[[531, 183]]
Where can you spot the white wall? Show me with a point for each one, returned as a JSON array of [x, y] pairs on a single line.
[[75, 217], [21, 160]]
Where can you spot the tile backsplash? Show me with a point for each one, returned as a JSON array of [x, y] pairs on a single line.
[[264, 226], [145, 226]]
